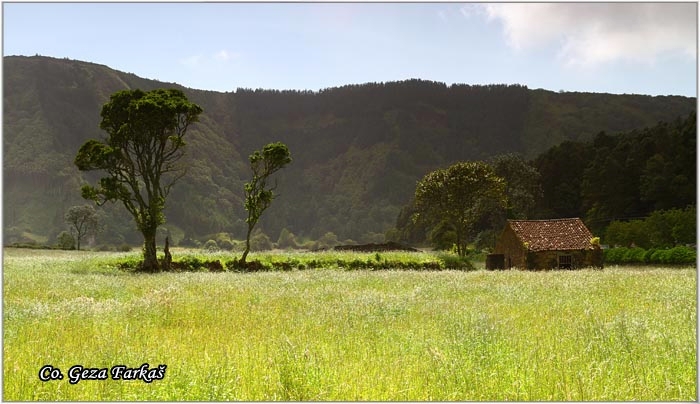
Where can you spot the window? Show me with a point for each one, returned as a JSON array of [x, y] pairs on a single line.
[[565, 262]]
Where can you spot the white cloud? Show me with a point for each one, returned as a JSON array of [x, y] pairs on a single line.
[[223, 55], [591, 34]]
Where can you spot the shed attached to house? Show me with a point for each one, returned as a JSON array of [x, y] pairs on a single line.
[[547, 244]]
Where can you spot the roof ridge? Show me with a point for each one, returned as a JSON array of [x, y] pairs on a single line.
[[544, 220]]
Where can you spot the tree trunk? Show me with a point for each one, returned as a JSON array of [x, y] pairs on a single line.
[[459, 243], [247, 244], [168, 257], [150, 259]]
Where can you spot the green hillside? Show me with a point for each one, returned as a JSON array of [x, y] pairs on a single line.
[[358, 150]]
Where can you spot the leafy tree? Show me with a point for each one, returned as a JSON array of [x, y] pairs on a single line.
[[258, 194], [626, 234], [287, 240], [328, 240], [462, 195], [669, 177], [260, 241], [561, 169], [443, 236], [83, 220], [145, 140], [65, 241], [522, 185], [408, 230], [661, 229]]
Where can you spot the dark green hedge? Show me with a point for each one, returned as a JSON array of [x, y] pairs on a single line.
[[672, 256]]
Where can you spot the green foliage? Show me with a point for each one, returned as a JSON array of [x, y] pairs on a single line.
[[629, 233], [65, 241], [359, 149], [287, 240], [679, 255], [461, 195], [522, 185], [443, 236], [662, 229], [222, 240], [210, 246], [453, 261], [260, 241], [258, 194], [622, 176], [145, 141], [328, 240], [561, 171]]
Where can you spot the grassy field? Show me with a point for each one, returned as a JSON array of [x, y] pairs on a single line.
[[331, 334]]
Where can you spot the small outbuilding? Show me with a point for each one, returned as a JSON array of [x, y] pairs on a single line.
[[546, 244]]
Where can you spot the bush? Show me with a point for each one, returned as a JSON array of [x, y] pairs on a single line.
[[226, 245], [124, 248], [223, 240], [211, 246], [648, 254], [443, 236], [328, 240], [680, 255], [453, 261], [674, 256], [65, 241], [287, 240], [260, 241], [662, 229], [633, 256]]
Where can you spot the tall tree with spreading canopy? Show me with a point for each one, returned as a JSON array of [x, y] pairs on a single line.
[[145, 140], [460, 195], [258, 194]]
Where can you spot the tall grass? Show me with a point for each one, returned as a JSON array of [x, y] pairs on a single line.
[[617, 334]]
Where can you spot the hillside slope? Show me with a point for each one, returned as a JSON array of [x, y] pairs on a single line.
[[357, 150]]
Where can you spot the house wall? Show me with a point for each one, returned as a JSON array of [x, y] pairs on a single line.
[[550, 259], [512, 249]]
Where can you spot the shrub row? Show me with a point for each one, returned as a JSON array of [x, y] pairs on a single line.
[[671, 256], [194, 264]]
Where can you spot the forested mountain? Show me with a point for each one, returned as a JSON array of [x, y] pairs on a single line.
[[357, 150]]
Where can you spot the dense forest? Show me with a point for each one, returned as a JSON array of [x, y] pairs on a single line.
[[357, 151], [632, 188]]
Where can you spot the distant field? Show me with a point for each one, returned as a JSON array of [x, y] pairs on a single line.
[[332, 334]]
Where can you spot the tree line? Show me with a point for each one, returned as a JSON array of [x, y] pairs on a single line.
[[358, 150], [635, 189]]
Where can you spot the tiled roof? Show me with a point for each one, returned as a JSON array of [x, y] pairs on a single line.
[[555, 234]]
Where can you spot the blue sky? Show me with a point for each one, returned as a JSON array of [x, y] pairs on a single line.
[[640, 48]]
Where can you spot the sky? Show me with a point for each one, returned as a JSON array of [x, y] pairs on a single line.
[[632, 48]]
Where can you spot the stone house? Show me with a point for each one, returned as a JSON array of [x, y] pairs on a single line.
[[546, 244]]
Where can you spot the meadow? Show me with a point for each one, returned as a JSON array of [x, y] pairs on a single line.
[[622, 333]]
